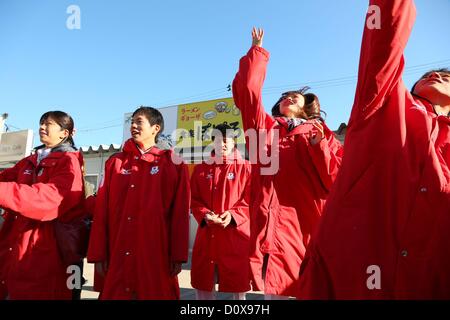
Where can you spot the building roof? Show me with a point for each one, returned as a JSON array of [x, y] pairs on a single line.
[[101, 148]]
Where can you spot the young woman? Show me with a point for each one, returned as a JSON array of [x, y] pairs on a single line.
[[40, 189], [385, 232], [286, 204], [140, 233], [220, 198]]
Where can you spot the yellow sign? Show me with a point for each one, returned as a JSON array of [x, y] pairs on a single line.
[[197, 120]]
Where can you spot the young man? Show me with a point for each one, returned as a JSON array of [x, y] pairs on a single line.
[[385, 231], [220, 199], [140, 233]]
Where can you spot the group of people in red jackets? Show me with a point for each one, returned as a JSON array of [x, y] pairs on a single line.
[[373, 224]]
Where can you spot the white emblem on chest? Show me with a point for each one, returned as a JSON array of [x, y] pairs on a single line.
[[154, 170], [209, 176], [126, 172], [230, 176], [28, 172]]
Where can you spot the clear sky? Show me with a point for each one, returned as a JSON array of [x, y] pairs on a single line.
[[162, 53]]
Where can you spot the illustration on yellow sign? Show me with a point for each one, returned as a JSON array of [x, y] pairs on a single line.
[[197, 120]]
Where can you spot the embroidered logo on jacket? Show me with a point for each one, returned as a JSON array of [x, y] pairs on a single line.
[[154, 170], [126, 172], [28, 172], [418, 107], [209, 176], [230, 176]]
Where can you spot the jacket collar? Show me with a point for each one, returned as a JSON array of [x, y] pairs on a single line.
[[430, 108], [56, 153], [234, 156], [304, 128], [130, 148]]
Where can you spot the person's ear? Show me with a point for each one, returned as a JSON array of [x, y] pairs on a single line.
[[157, 128], [64, 134]]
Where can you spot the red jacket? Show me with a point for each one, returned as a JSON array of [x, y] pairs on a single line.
[[141, 224], [287, 205], [385, 232], [218, 188], [30, 265]]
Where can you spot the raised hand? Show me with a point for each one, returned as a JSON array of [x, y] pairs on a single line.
[[257, 37]]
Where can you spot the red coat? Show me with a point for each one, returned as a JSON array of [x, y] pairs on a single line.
[[98, 279], [286, 206], [141, 224], [218, 188], [385, 232], [30, 265]]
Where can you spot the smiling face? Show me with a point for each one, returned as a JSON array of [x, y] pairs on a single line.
[[143, 132], [435, 87], [292, 105], [51, 133]]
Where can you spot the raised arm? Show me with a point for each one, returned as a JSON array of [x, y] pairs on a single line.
[[248, 82], [386, 32]]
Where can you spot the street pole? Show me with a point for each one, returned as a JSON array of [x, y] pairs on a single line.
[[3, 118]]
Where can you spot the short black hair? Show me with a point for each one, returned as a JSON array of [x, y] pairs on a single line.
[[225, 130], [153, 116]]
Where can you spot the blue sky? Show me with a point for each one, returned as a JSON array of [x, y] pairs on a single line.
[[162, 53]]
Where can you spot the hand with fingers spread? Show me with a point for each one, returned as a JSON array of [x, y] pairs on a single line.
[[257, 37], [316, 136]]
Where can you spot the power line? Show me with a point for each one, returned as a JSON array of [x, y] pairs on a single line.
[[225, 91], [98, 129], [100, 123], [200, 95]]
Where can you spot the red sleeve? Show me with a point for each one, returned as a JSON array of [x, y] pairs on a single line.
[[247, 88], [98, 242], [179, 225], [198, 206], [327, 157], [10, 174], [46, 201], [381, 61], [240, 210], [89, 205]]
